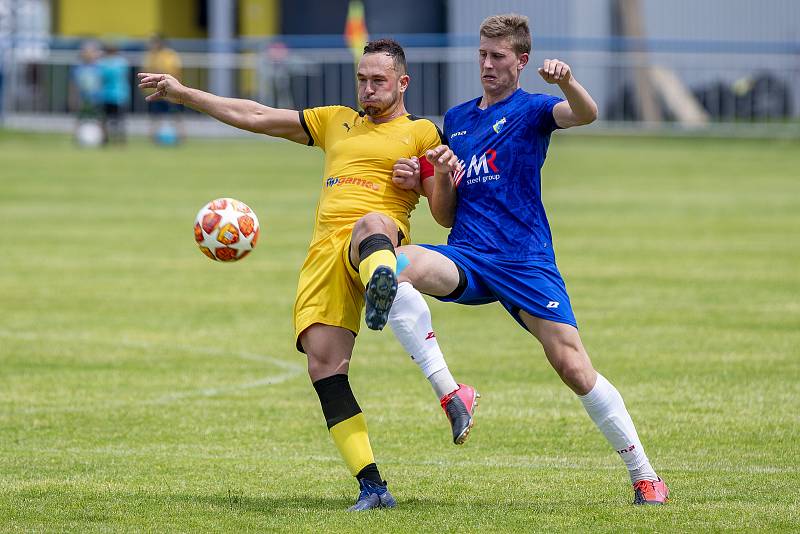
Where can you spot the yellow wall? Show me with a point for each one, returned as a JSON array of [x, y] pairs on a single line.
[[128, 18], [258, 18], [103, 18], [179, 19]]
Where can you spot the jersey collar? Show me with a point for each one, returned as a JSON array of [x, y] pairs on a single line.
[[498, 103]]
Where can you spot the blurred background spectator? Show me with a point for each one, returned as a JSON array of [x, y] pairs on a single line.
[[86, 96], [166, 124], [115, 93], [683, 64]]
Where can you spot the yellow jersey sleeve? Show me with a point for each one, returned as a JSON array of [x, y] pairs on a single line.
[[428, 136], [315, 122]]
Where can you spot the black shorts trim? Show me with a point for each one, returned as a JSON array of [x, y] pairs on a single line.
[[462, 284]]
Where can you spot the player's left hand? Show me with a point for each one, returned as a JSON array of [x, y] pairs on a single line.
[[405, 173], [555, 71], [443, 159]]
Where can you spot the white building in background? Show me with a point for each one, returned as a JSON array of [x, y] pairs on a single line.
[[26, 24]]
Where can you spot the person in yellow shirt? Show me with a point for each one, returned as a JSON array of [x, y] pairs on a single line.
[[361, 217], [161, 58]]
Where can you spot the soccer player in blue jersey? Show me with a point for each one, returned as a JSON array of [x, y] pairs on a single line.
[[488, 190]]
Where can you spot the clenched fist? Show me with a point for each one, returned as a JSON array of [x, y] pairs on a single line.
[[555, 71]]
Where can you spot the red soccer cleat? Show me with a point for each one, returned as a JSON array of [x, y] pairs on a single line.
[[650, 492], [459, 405]]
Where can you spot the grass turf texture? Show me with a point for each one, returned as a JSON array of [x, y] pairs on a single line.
[[143, 387]]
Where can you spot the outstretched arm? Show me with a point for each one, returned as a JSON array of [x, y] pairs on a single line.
[[243, 114], [579, 108]]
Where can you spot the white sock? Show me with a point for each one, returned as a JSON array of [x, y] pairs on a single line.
[[605, 406], [442, 382], [410, 319]]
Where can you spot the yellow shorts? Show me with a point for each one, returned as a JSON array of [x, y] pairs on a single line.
[[330, 290]]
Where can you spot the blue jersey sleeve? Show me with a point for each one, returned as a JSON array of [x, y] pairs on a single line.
[[445, 127], [540, 113]]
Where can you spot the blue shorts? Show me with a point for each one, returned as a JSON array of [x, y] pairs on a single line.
[[534, 286]]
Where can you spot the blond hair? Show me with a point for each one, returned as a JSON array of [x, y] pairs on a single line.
[[511, 25]]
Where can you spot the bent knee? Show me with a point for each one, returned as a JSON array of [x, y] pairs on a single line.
[[322, 365], [373, 222]]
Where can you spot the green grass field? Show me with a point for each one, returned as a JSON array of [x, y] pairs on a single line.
[[146, 388]]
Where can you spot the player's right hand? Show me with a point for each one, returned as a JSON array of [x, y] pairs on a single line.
[[166, 86], [443, 159], [405, 173]]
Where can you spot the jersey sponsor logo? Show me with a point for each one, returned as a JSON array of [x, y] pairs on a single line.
[[481, 169], [459, 173], [431, 335], [336, 181], [482, 164], [553, 304], [499, 125], [458, 134]]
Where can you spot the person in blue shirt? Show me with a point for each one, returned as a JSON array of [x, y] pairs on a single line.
[[500, 249], [87, 83], [115, 93], [84, 96]]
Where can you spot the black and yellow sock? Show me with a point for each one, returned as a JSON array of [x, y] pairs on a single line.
[[373, 251], [347, 426]]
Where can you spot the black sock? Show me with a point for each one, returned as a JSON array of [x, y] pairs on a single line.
[[372, 474], [373, 243], [337, 399]]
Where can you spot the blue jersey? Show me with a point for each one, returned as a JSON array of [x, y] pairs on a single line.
[[88, 80], [502, 149], [116, 81]]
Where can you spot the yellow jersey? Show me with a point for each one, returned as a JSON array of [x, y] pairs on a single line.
[[165, 60], [359, 155]]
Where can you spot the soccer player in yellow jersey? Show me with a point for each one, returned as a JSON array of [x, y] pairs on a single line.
[[361, 217]]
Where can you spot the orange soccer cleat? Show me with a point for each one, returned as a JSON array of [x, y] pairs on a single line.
[[650, 492]]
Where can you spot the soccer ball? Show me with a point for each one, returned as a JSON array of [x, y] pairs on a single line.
[[166, 135], [89, 134], [226, 229]]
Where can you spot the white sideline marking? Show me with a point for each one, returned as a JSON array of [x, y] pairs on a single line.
[[290, 369]]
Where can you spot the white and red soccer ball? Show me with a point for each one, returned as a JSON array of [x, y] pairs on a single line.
[[226, 229]]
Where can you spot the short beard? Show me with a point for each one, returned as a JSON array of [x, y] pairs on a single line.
[[372, 111]]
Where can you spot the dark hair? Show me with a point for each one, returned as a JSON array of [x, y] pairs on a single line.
[[391, 48]]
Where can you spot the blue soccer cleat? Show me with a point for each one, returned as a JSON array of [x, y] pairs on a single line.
[[381, 289], [372, 496]]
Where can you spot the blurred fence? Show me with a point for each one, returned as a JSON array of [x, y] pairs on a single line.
[[732, 86]]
